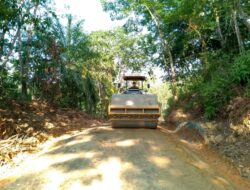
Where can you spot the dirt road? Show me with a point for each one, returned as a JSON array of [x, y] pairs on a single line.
[[105, 158]]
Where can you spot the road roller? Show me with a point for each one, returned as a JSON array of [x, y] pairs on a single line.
[[133, 107]]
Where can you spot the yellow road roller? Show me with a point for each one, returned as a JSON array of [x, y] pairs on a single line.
[[133, 106]]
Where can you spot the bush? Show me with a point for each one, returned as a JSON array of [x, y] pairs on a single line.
[[211, 88], [8, 88], [209, 95], [216, 94], [241, 69]]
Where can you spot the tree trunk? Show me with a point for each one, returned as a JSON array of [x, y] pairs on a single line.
[[167, 52], [27, 60], [217, 20], [21, 64], [11, 48], [4, 62], [237, 31], [2, 42], [69, 31], [204, 58]]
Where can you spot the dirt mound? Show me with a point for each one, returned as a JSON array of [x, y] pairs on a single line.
[[24, 126], [190, 132], [230, 137], [239, 114], [191, 135], [231, 142]]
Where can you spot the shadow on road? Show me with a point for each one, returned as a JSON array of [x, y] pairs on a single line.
[[105, 158]]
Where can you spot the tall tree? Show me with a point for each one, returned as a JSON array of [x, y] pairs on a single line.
[[150, 15]]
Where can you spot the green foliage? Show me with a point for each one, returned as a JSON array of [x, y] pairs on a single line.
[[247, 91], [241, 69], [216, 93], [170, 102], [50, 57], [60, 63], [202, 41], [8, 88], [71, 89], [163, 93], [90, 94], [208, 88]]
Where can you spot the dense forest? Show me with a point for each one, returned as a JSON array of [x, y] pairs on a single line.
[[202, 46]]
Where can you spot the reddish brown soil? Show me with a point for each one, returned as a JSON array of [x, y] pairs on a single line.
[[125, 158], [24, 126], [195, 143]]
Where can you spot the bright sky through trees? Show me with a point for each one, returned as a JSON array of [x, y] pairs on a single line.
[[89, 10], [95, 18]]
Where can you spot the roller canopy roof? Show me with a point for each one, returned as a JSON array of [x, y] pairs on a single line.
[[134, 78]]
